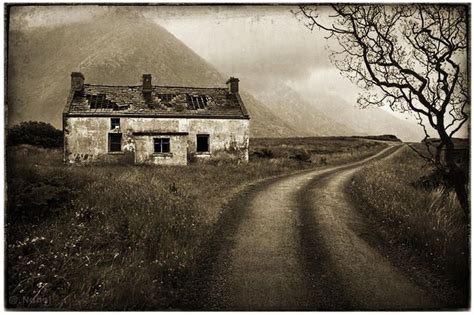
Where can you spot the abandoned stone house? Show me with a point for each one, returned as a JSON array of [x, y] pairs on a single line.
[[149, 124]]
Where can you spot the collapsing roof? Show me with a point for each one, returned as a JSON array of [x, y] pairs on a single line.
[[154, 101]]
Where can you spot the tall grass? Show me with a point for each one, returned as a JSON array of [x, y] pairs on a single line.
[[115, 236], [428, 222]]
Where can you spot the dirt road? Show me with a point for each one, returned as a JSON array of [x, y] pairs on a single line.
[[296, 246]]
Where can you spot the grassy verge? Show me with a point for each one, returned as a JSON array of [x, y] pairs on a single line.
[[118, 236], [317, 150], [416, 222]]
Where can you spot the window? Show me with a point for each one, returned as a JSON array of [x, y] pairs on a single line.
[[100, 101], [166, 97], [202, 143], [114, 123], [162, 145], [115, 142], [196, 101]]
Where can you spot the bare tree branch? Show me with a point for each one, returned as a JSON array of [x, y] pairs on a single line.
[[412, 57]]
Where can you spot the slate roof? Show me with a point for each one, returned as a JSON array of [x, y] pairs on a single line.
[[162, 101]]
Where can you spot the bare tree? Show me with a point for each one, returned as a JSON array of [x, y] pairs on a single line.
[[412, 58]]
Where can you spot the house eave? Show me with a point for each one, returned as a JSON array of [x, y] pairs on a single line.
[[160, 133], [242, 106], [142, 115]]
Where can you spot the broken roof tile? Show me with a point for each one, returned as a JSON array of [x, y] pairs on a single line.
[[161, 101]]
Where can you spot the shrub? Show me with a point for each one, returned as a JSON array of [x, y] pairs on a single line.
[[432, 180], [263, 153], [323, 161], [35, 133], [302, 155]]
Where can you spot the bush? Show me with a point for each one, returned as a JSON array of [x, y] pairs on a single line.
[[323, 161], [302, 155], [33, 199], [263, 153], [35, 133], [434, 179]]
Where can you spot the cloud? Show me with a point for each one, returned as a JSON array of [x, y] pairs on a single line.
[[250, 41]]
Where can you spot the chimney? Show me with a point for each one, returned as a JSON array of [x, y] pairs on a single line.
[[146, 88], [77, 81], [233, 85]]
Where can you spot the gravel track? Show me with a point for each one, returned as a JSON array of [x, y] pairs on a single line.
[[293, 243]]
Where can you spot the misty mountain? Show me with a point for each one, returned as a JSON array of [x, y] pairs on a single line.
[[322, 113], [111, 49], [291, 107], [367, 121]]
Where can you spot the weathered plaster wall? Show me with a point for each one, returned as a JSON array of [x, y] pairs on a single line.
[[86, 138], [230, 136], [144, 150]]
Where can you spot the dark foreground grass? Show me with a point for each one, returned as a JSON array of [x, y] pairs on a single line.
[[423, 227], [117, 237]]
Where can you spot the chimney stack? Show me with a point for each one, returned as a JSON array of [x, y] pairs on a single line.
[[77, 81], [233, 85], [146, 88]]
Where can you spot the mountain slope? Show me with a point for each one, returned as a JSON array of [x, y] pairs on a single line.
[[319, 112], [110, 50], [290, 106], [367, 121]]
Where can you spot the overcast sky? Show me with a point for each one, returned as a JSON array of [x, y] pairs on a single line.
[[267, 41]]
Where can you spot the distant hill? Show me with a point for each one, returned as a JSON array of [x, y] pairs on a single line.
[[324, 114], [367, 121], [291, 107], [112, 49], [380, 138]]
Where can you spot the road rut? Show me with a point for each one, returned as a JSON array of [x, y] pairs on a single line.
[[294, 249]]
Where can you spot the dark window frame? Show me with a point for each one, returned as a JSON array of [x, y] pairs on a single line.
[[114, 122], [99, 101], [200, 146], [161, 145], [196, 101], [167, 97], [114, 145]]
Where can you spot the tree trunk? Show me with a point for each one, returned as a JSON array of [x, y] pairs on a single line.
[[455, 174], [457, 177]]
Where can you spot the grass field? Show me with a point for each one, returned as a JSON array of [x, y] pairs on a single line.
[[126, 237], [417, 216], [319, 151]]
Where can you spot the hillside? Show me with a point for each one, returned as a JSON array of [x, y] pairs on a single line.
[[325, 114], [114, 49], [290, 106], [368, 121]]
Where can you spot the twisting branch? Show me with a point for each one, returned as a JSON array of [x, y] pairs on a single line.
[[412, 58]]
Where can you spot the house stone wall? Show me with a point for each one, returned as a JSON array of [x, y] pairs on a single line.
[[86, 138]]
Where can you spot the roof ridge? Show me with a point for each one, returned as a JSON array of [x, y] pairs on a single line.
[[158, 86]]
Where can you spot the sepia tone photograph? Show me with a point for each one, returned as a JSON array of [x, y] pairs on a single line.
[[237, 157]]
